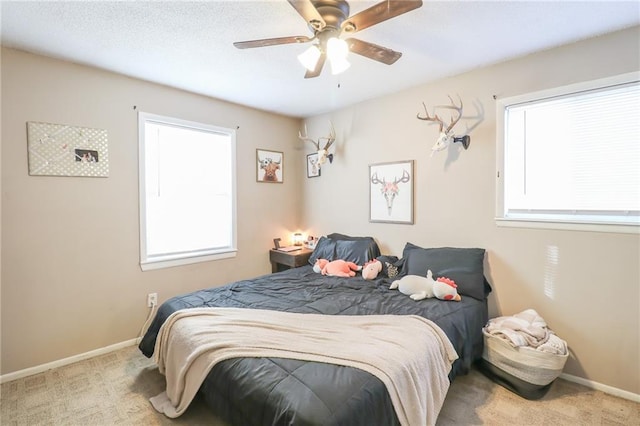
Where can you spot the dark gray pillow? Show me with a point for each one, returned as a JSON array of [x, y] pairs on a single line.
[[337, 236], [463, 265], [354, 252], [325, 249], [357, 252]]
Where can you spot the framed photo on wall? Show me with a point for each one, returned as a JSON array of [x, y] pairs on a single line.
[[391, 192], [313, 168], [270, 166]]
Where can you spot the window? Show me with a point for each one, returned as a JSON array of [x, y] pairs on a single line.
[[571, 156], [187, 191]]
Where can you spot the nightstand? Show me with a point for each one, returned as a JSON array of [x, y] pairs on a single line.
[[281, 260]]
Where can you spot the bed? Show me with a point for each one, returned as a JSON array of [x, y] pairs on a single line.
[[259, 391]]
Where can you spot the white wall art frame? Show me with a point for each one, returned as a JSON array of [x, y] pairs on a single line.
[[391, 192], [63, 150], [313, 168]]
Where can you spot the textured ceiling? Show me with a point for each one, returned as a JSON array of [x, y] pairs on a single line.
[[188, 45]]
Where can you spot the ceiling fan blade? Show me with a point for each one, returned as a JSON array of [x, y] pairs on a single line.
[[308, 11], [373, 51], [316, 72], [378, 13], [271, 42]]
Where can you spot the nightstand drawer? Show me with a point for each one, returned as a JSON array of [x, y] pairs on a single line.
[[281, 260]]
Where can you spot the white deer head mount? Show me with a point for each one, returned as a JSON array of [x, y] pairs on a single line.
[[323, 152], [446, 135]]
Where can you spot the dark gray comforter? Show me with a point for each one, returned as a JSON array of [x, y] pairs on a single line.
[[265, 391]]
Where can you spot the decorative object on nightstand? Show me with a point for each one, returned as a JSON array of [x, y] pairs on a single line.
[[311, 242], [297, 239], [282, 260], [276, 243], [294, 247]]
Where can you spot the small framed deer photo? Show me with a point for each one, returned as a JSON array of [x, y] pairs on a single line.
[[270, 166], [391, 192], [313, 168]]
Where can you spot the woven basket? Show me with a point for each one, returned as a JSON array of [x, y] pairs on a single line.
[[527, 364]]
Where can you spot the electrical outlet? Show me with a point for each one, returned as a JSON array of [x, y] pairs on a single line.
[[152, 299]]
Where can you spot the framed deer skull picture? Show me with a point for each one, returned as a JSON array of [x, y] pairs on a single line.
[[313, 168], [391, 192], [270, 166]]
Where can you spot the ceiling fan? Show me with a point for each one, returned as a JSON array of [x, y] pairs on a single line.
[[329, 20]]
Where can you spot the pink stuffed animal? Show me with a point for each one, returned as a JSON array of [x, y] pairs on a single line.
[[371, 269], [336, 268]]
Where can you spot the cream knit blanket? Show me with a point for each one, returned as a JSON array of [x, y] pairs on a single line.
[[411, 355], [527, 329]]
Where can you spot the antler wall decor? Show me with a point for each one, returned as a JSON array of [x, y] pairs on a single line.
[[323, 153], [446, 135]]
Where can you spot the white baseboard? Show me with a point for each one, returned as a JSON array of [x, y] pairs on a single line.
[[65, 361], [600, 387], [101, 351]]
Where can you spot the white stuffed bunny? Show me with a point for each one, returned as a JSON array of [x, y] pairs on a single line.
[[418, 288]]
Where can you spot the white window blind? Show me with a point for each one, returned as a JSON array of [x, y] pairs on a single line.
[[187, 191], [574, 156]]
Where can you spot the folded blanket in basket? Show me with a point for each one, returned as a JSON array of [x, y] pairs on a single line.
[[526, 329]]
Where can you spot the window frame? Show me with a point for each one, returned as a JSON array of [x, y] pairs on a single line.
[[176, 259], [541, 222]]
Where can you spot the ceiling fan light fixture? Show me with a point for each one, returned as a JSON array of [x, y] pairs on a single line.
[[337, 49], [309, 58], [337, 52], [339, 65]]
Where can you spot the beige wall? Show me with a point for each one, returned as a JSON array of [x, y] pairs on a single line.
[[71, 280], [592, 294]]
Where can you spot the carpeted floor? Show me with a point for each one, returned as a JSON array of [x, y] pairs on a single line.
[[113, 389]]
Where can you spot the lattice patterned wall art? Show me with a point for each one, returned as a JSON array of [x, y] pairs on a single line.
[[62, 150]]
